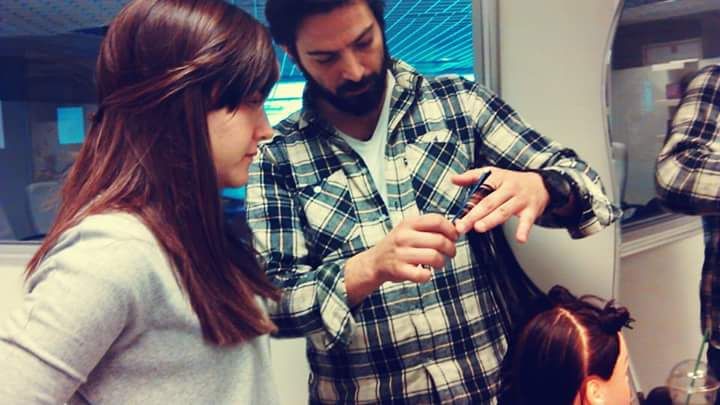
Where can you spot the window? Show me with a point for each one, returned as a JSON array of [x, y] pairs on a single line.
[[2, 132], [47, 95], [657, 45]]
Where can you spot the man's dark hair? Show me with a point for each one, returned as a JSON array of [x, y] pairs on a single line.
[[285, 16]]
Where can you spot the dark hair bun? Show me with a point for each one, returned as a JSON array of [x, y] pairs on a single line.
[[612, 318], [609, 317]]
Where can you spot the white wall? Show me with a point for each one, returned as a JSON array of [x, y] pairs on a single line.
[[552, 67], [660, 287]]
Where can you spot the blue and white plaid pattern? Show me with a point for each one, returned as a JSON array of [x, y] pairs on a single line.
[[313, 205], [688, 179]]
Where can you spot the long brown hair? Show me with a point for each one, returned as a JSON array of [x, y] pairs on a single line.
[[163, 65]]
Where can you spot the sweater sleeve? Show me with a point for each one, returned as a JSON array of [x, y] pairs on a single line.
[[79, 301]]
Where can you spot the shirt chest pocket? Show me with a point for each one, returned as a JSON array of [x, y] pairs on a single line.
[[330, 218], [435, 158]]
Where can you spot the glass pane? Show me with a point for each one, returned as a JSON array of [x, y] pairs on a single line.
[[47, 94], [658, 45]]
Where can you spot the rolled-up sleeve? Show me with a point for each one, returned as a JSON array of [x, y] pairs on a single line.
[[504, 140], [687, 176]]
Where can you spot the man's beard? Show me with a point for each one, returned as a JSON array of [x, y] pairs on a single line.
[[356, 104]]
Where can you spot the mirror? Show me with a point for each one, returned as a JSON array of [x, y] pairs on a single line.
[[658, 44]]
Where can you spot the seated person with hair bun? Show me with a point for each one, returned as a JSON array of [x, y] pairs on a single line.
[[572, 354]]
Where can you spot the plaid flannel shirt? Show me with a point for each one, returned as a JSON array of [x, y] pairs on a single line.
[[688, 179], [312, 205]]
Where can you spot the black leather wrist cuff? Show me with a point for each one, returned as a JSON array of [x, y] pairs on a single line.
[[557, 186]]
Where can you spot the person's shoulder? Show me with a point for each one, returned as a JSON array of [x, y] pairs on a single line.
[[289, 131], [288, 125], [707, 77], [114, 226], [112, 233], [450, 79], [286, 134], [407, 77], [115, 247], [449, 85], [713, 69]]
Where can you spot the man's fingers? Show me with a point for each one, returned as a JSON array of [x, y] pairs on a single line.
[[483, 209], [527, 220], [470, 176], [421, 256], [426, 240], [416, 274], [435, 223], [500, 215]]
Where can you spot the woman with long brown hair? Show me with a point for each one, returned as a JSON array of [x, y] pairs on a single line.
[[139, 294]]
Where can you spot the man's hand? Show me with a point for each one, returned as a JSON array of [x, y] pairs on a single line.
[[407, 253], [521, 194]]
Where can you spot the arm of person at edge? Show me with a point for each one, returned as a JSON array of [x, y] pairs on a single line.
[[688, 174]]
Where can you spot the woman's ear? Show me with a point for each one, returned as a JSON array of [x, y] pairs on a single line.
[[594, 392]]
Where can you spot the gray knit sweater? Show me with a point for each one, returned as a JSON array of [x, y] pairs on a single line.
[[105, 322]]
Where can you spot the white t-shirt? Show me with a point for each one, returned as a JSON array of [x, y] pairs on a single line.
[[372, 151]]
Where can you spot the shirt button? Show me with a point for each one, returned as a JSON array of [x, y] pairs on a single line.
[[405, 161]]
